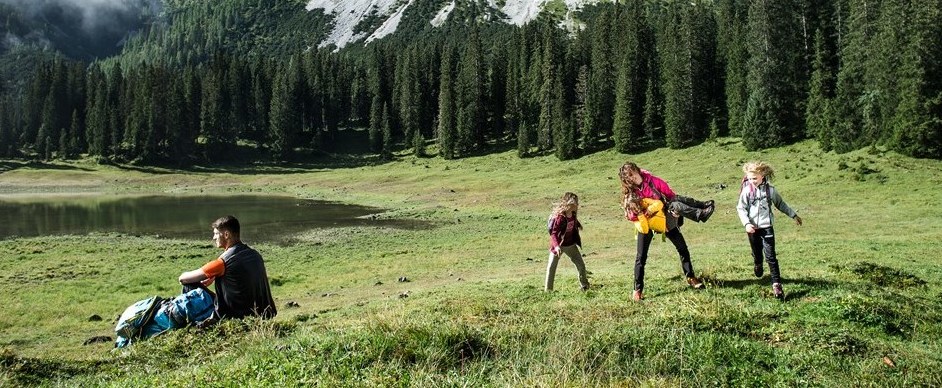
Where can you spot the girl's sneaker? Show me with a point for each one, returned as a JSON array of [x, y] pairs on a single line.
[[777, 291], [694, 282], [637, 296]]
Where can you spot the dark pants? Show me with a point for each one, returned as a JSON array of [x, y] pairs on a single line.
[[687, 207], [763, 242], [192, 286], [644, 243]]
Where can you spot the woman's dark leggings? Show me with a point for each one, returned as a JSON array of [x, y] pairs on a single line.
[[763, 242], [644, 243]]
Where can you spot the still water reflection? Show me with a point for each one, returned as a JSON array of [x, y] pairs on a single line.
[[263, 218]]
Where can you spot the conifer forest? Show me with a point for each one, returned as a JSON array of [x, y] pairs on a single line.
[[245, 80]]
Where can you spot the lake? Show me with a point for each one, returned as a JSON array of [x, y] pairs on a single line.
[[263, 218]]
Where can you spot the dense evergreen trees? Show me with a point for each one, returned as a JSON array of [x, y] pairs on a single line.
[[849, 73], [772, 117]]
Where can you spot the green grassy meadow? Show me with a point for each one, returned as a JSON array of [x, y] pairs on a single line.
[[864, 305]]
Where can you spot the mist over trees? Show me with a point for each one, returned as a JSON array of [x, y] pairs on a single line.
[[206, 86]]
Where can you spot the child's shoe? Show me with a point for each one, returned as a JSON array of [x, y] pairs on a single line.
[[757, 270], [694, 282], [706, 213], [637, 296], [777, 291]]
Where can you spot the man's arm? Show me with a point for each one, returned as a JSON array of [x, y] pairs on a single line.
[[193, 276], [204, 274]]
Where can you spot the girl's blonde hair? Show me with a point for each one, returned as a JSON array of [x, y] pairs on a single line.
[[759, 167], [567, 202]]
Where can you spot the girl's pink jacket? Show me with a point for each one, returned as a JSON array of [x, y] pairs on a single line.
[[646, 191]]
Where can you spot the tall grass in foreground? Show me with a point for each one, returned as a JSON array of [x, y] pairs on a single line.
[[864, 307]]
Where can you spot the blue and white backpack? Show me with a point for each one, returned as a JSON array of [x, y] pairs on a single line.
[[153, 316], [133, 319]]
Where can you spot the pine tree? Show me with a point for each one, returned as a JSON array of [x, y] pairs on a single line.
[[917, 125], [387, 152], [678, 77], [286, 107], [883, 66], [772, 110], [376, 125], [118, 103], [73, 148], [176, 122], [97, 112], [561, 126], [6, 133], [513, 111], [418, 144], [239, 90], [599, 103], [446, 108], [36, 94], [469, 97], [192, 102], [49, 128], [63, 150], [497, 92], [550, 96], [214, 117], [818, 114], [154, 144], [848, 132], [359, 99], [584, 139], [409, 103], [47, 146], [628, 125], [654, 107], [523, 140], [261, 103]]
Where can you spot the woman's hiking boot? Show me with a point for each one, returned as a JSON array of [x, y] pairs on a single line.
[[694, 282], [777, 291], [637, 296]]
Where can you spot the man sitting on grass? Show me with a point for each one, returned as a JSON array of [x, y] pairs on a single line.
[[242, 287]]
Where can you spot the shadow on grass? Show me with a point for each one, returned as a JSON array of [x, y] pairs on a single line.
[[765, 281], [9, 165], [296, 164]]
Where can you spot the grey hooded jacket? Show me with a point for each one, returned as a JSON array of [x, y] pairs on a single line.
[[754, 205]]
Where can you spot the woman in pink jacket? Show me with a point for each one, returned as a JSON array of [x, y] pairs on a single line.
[[638, 182]]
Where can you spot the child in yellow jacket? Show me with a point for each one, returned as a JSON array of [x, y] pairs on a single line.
[[650, 214]]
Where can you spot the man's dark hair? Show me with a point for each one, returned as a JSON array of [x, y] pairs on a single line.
[[229, 223]]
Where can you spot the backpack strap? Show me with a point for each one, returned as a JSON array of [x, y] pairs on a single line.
[[768, 195], [658, 192], [752, 192]]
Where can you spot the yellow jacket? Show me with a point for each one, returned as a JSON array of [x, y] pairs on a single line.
[[657, 222]]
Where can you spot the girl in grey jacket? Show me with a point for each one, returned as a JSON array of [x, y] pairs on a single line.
[[755, 212]]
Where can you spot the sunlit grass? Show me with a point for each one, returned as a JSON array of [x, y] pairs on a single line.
[[863, 305]]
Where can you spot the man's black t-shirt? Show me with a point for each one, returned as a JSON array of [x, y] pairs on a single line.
[[243, 289]]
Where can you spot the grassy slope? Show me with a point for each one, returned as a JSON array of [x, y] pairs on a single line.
[[860, 274]]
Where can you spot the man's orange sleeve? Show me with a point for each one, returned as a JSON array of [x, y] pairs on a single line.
[[214, 268]]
